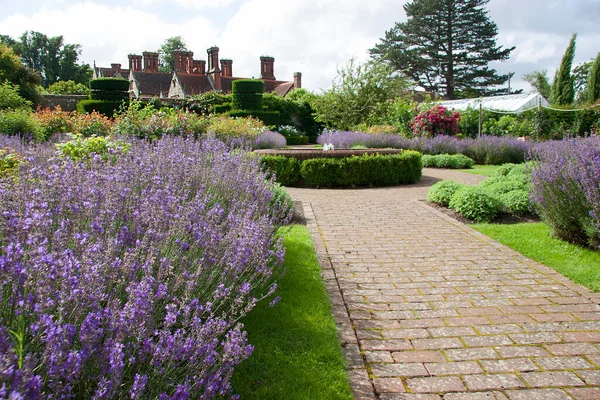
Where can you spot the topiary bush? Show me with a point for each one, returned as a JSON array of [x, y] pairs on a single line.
[[476, 204], [450, 161], [366, 170], [296, 140], [269, 118], [441, 192], [107, 108], [516, 202], [286, 170]]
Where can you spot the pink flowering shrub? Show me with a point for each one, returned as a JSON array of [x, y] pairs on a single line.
[[436, 121]]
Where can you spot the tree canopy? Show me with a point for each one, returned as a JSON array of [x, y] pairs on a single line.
[[563, 91], [166, 61], [593, 83], [539, 81], [446, 46], [13, 71]]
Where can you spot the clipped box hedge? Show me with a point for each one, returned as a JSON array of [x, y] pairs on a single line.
[[107, 108], [247, 86], [247, 101], [105, 95], [222, 108], [270, 118], [109, 84], [296, 140], [286, 170]]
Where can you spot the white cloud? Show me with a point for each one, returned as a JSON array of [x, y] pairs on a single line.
[[190, 4]]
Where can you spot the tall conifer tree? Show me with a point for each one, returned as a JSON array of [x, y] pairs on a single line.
[[563, 92], [446, 45], [593, 84]]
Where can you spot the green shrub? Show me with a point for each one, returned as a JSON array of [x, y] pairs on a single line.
[[451, 161], [10, 97], [247, 86], [441, 192], [107, 108], [296, 140], [286, 170], [109, 84], [247, 101], [269, 118], [516, 202], [80, 148], [221, 108], [366, 170], [9, 163], [281, 200], [476, 204], [20, 122], [68, 87], [504, 186], [109, 95], [511, 169]]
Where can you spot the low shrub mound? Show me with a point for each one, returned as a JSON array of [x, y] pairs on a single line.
[[286, 170], [364, 170], [516, 202], [450, 161], [441, 192], [476, 204]]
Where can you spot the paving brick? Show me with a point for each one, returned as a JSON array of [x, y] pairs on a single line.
[[591, 377], [509, 365], [409, 396], [437, 384], [454, 368], [535, 338], [538, 394], [476, 396], [409, 333], [522, 351], [563, 363], [467, 321], [389, 370], [379, 357], [554, 317], [388, 385], [498, 329], [493, 382], [388, 345], [572, 349], [478, 311], [584, 393], [578, 337], [434, 344], [481, 353], [551, 379], [452, 331], [487, 341], [419, 356]]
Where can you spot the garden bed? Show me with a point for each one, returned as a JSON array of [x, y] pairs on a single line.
[[306, 154]]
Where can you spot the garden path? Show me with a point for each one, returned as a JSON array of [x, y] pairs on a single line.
[[428, 308]]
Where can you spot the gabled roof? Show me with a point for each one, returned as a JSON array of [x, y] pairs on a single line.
[[194, 84], [111, 73], [283, 88], [508, 103], [152, 83]]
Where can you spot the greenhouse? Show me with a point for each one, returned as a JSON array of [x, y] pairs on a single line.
[[513, 103]]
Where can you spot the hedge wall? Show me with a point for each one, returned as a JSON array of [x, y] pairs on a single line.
[[247, 86], [296, 140], [109, 84], [107, 108], [269, 118]]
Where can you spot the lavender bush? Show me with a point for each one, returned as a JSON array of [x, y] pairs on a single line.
[[566, 188], [128, 279], [485, 150], [270, 140]]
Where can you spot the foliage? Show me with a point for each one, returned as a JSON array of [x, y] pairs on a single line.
[[109, 84], [205, 103], [400, 114], [107, 108], [252, 86], [268, 118], [13, 71], [451, 161], [20, 122], [593, 83], [535, 241], [476, 204], [92, 124], [566, 188], [55, 121], [297, 340], [10, 97], [285, 170], [295, 109], [445, 47], [68, 87], [288, 130], [52, 58], [270, 140], [81, 148], [128, 279], [435, 121], [281, 203], [497, 150], [366, 170], [563, 92], [516, 202], [359, 94], [539, 81], [296, 140], [509, 125], [350, 139], [441, 192], [166, 61], [225, 127], [9, 163]]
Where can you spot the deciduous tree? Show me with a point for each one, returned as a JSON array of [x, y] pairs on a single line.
[[166, 62]]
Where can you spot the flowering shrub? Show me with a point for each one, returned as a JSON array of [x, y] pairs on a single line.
[[9, 163], [289, 130], [128, 279], [227, 128], [350, 139], [269, 140], [55, 121], [382, 130], [566, 188], [435, 121], [92, 124], [451, 161]]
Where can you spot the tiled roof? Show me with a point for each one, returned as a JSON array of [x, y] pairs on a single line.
[[283, 89], [111, 73], [194, 84], [152, 83]]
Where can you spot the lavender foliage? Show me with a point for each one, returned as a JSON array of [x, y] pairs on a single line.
[[566, 188], [484, 150], [269, 140], [128, 278]]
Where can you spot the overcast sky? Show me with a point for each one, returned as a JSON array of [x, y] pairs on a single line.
[[310, 36]]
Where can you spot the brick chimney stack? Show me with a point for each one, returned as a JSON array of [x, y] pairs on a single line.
[[226, 68], [267, 68], [189, 62], [180, 58], [135, 62], [213, 67], [297, 80], [199, 67], [115, 67], [150, 61]]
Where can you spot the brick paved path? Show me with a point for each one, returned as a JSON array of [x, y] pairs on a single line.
[[431, 309]]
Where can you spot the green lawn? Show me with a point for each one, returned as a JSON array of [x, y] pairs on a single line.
[[297, 353], [486, 170], [534, 240]]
